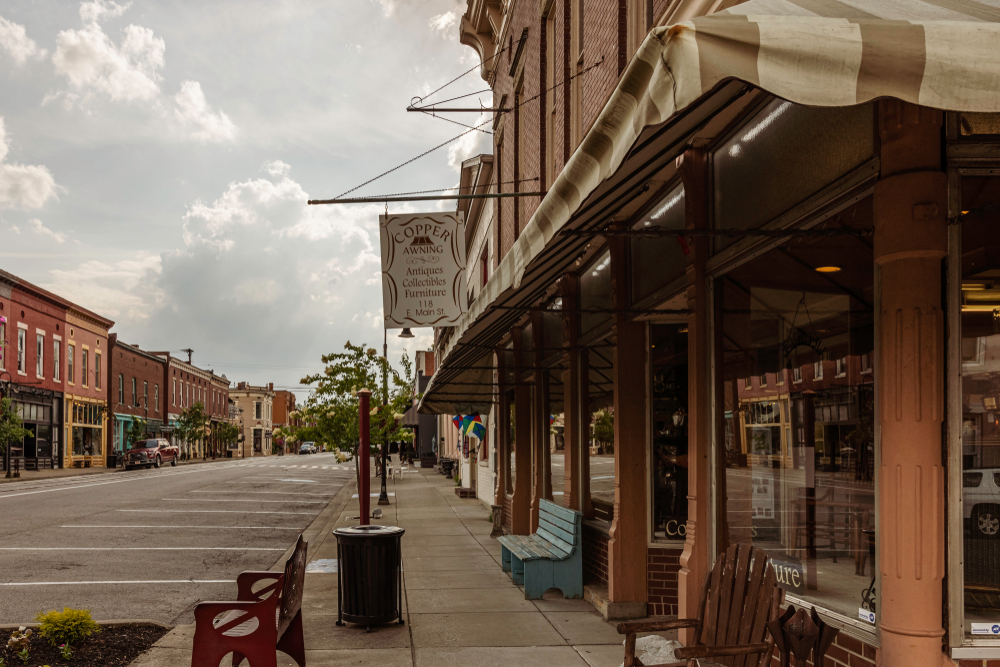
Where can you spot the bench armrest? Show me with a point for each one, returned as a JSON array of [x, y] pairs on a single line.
[[719, 651], [655, 625], [246, 580]]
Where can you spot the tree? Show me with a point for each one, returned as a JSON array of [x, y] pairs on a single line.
[[136, 432], [226, 433], [192, 425], [11, 427], [604, 428]]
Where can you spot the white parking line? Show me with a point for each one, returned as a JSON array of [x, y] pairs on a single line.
[[230, 500], [141, 549], [138, 478], [132, 582], [192, 527], [218, 512]]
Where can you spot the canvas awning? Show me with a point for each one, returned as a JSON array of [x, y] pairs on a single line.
[[937, 53]]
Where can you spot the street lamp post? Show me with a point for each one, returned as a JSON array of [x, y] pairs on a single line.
[[5, 393], [383, 497]]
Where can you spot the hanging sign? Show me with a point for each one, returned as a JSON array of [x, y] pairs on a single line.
[[423, 269]]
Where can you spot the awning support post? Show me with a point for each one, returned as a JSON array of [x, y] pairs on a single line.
[[575, 425], [520, 510]]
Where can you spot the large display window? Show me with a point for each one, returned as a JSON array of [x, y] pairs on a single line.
[[796, 438], [668, 354]]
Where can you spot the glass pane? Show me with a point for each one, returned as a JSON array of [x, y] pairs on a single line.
[[799, 449], [657, 261], [782, 156], [980, 433], [595, 292], [668, 354]]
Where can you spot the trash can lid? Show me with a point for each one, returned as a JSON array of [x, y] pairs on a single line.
[[368, 531]]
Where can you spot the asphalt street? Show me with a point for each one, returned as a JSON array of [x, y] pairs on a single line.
[[152, 543]]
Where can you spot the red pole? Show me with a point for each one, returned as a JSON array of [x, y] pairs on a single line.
[[364, 484]]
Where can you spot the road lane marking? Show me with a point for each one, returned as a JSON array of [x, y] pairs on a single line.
[[229, 500], [219, 512], [132, 582], [142, 549], [117, 481], [172, 526]]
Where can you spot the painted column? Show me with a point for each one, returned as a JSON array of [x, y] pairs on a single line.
[[628, 535], [502, 444], [541, 456], [693, 165], [910, 241], [573, 435], [520, 503]]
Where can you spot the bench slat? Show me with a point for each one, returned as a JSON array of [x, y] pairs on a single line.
[[557, 551], [515, 547], [557, 531], [563, 513], [531, 547], [558, 521], [554, 541]]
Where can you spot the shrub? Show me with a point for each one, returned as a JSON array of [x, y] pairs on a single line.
[[68, 626]]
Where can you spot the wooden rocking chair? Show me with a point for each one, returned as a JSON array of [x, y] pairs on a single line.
[[740, 596]]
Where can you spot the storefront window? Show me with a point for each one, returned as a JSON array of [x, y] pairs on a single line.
[[797, 449], [658, 261], [980, 393], [669, 377], [595, 292], [784, 154], [86, 441]]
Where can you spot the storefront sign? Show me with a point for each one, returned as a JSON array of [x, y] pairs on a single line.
[[423, 269], [790, 574], [986, 628]]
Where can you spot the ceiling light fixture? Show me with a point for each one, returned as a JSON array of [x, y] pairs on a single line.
[[827, 269]]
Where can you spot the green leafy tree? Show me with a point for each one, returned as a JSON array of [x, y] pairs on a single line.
[[11, 427], [136, 432], [226, 433], [193, 423], [604, 429]]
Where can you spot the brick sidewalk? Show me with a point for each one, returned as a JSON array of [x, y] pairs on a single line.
[[460, 608]]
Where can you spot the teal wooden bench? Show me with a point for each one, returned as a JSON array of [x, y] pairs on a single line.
[[551, 558]]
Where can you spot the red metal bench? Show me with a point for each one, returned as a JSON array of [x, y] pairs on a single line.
[[259, 623]]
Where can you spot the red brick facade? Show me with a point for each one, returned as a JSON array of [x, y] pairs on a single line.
[[595, 556], [130, 364], [662, 566], [850, 652]]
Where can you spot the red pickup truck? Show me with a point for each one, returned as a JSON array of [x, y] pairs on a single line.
[[151, 454]]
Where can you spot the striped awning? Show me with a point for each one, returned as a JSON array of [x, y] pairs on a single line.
[[937, 53]]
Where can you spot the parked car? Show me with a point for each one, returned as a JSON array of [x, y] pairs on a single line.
[[981, 502], [306, 448], [151, 454]]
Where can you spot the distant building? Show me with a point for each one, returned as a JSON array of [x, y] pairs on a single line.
[[254, 413], [135, 392], [284, 406], [53, 367]]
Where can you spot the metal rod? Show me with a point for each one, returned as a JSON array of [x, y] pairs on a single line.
[[458, 110], [376, 200]]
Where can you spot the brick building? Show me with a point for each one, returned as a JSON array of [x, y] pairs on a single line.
[[282, 418], [186, 385], [135, 392], [772, 252]]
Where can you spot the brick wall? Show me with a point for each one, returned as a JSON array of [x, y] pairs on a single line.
[[662, 566], [601, 38], [131, 363], [845, 652], [979, 663], [595, 555]]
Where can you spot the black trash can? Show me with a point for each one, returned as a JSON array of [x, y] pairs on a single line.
[[447, 465], [369, 575]]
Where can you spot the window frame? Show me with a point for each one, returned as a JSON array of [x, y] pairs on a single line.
[[56, 358], [71, 363], [39, 355], [22, 352]]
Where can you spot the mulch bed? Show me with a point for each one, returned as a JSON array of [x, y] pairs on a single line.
[[111, 647]]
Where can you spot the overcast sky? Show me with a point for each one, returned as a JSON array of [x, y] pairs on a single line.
[[156, 157]]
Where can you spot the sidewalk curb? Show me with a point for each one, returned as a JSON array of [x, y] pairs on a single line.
[[113, 623]]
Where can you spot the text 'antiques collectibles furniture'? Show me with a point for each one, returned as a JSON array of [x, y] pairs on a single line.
[[551, 558], [259, 623], [739, 598]]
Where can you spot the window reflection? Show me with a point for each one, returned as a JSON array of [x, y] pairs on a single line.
[[980, 432], [798, 415], [669, 354]]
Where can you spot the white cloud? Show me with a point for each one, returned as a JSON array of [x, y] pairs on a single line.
[[39, 228], [92, 63], [23, 186], [277, 168], [444, 23], [388, 7], [126, 291], [471, 144], [193, 111], [91, 12], [15, 41]]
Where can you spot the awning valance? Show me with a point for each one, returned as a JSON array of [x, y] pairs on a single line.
[[937, 53]]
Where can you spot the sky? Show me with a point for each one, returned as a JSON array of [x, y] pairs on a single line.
[[156, 157]]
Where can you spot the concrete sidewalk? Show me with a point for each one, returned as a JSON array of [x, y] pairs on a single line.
[[460, 608]]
